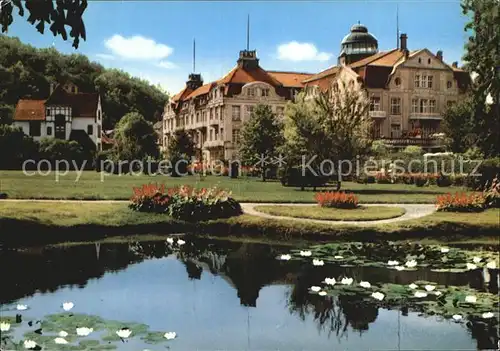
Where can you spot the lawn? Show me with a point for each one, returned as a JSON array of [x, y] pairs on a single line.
[[90, 186], [361, 213]]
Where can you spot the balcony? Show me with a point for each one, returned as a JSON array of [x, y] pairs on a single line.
[[214, 122], [429, 116], [213, 144], [378, 114]]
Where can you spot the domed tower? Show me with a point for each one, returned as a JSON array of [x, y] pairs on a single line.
[[357, 45]]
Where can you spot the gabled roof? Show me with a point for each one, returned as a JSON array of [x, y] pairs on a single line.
[[383, 58], [204, 89], [290, 79], [82, 104], [240, 75], [30, 110], [331, 71], [181, 94]]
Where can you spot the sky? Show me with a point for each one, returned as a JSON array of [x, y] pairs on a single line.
[[153, 40]]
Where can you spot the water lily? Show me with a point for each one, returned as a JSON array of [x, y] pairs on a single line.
[[413, 286], [338, 257], [170, 335], [420, 294], [470, 299], [84, 331], [477, 259], [399, 268], [491, 265], [180, 242], [411, 263], [21, 307], [392, 263], [29, 344], [378, 296], [285, 257], [487, 315], [429, 287], [124, 333], [346, 281], [60, 341], [63, 334], [330, 281], [445, 249], [170, 240], [68, 306], [457, 317], [438, 293], [471, 266], [305, 253], [365, 284], [322, 293], [4, 326], [315, 288], [318, 262]]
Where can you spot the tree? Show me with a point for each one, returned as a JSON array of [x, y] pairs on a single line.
[[180, 150], [16, 147], [261, 137], [458, 126], [135, 138], [57, 15], [482, 57]]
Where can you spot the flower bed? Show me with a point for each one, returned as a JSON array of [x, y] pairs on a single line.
[[185, 203], [336, 199], [461, 202]]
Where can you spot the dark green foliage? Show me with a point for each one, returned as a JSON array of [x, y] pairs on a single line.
[[196, 210], [180, 151], [16, 147], [57, 149], [294, 176], [135, 138]]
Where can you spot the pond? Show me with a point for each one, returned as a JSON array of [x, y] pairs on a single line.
[[218, 295]]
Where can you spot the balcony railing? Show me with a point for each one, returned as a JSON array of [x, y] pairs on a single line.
[[432, 116], [213, 143], [412, 141], [377, 114]]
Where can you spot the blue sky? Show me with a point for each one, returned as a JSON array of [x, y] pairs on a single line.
[[153, 39]]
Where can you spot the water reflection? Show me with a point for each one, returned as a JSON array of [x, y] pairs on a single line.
[[248, 268]]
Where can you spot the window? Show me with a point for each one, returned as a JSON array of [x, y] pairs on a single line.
[[236, 113], [395, 131], [49, 131], [98, 115], [222, 134], [417, 81], [47, 112], [265, 92], [98, 131], [432, 106], [236, 136], [375, 103], [419, 60], [211, 134], [429, 82], [429, 61], [251, 91], [449, 84], [211, 113], [397, 81], [249, 111], [90, 129], [395, 106], [424, 105], [414, 106], [35, 128]]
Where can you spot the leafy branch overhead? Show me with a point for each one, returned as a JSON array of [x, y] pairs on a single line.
[[56, 14]]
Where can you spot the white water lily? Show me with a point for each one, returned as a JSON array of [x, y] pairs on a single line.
[[477, 259], [438, 293], [411, 263], [457, 317], [4, 326], [170, 335], [365, 284], [346, 281], [399, 268], [285, 257], [180, 242], [322, 293], [392, 263], [471, 266], [170, 240], [60, 341], [20, 307], [487, 315], [330, 281], [124, 333], [68, 306], [429, 287], [63, 334], [420, 294], [445, 249], [315, 288], [29, 344], [491, 265], [338, 257], [305, 253], [413, 286], [470, 299], [318, 262], [378, 296], [84, 331]]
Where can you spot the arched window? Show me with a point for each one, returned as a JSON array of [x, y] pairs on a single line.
[[449, 84], [429, 61], [419, 60], [397, 81]]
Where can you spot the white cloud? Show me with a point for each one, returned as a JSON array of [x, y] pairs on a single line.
[[137, 48], [295, 51], [105, 56], [166, 64]]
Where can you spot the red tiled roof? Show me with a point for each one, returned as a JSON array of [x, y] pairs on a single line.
[[239, 75], [331, 71], [30, 110], [181, 95], [204, 89], [290, 79]]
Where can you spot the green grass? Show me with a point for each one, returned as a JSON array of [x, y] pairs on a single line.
[[114, 187], [362, 213]]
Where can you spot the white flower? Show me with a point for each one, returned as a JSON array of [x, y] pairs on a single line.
[[22, 308], [476, 259], [322, 293], [346, 281], [457, 317], [318, 262], [63, 334], [488, 315], [445, 249], [438, 293], [180, 242], [429, 287], [29, 344], [4, 326], [420, 294], [170, 335], [84, 331], [315, 288], [285, 257], [170, 240], [60, 341], [305, 253], [67, 306], [491, 265], [378, 296], [392, 263], [124, 333], [411, 263], [338, 257], [413, 286], [470, 299], [330, 281], [471, 266], [400, 268], [365, 284]]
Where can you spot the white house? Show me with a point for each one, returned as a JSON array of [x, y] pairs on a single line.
[[67, 114]]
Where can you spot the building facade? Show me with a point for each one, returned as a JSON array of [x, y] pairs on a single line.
[[67, 114]]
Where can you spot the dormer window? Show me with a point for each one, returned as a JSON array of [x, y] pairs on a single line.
[[251, 91], [265, 92], [419, 60]]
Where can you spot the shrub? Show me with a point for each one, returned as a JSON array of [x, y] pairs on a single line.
[[492, 194], [443, 181], [293, 177], [150, 198], [461, 202], [420, 179], [413, 150], [336, 199]]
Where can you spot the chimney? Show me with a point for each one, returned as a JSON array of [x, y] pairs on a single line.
[[439, 55], [403, 39], [454, 64]]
